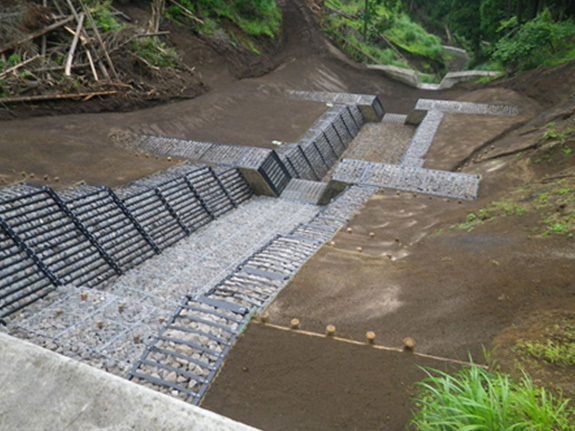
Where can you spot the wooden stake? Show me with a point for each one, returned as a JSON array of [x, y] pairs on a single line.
[[370, 337], [330, 330]]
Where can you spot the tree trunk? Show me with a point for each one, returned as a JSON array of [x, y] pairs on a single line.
[[157, 12], [519, 12]]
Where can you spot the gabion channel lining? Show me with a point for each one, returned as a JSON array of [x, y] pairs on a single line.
[[87, 235], [370, 105], [412, 179], [304, 191], [466, 107], [111, 224], [186, 357], [60, 241], [189, 351], [422, 140], [24, 279]]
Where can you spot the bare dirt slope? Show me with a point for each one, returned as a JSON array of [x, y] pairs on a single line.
[[251, 111], [456, 288]]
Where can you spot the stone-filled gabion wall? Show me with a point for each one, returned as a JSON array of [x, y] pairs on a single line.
[[189, 351], [86, 235]]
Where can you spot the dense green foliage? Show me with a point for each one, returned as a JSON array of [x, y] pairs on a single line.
[[518, 34], [477, 399], [537, 42], [254, 17], [382, 32]]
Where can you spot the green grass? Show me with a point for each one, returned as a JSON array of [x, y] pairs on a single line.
[[476, 399], [505, 207], [557, 347], [368, 43], [472, 220], [414, 39], [256, 18]]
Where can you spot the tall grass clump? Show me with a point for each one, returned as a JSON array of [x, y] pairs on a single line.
[[475, 399]]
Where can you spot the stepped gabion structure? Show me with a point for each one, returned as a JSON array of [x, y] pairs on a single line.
[[86, 235], [156, 279]]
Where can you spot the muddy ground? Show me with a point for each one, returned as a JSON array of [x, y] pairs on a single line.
[[455, 292]]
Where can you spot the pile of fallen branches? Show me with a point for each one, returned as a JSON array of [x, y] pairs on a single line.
[[61, 49]]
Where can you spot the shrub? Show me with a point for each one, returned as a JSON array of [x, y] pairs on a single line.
[[103, 16], [533, 43]]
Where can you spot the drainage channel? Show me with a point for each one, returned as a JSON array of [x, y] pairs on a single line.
[[109, 326], [99, 275], [406, 178], [138, 325], [186, 356]]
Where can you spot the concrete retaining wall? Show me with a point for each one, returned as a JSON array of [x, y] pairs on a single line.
[[413, 78], [42, 390]]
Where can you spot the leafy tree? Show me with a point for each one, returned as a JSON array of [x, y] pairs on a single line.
[[529, 45], [491, 13]]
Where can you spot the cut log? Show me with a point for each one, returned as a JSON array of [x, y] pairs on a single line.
[[70, 59], [45, 97]]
